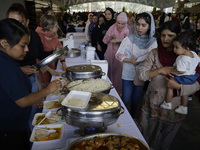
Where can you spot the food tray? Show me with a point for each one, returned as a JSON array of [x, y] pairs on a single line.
[[56, 118], [136, 140], [52, 105], [59, 127], [77, 99]]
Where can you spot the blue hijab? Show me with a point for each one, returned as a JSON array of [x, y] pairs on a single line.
[[144, 41]]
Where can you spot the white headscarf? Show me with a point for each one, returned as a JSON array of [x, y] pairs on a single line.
[[144, 41]]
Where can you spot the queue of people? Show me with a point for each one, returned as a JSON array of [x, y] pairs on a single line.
[[134, 57]]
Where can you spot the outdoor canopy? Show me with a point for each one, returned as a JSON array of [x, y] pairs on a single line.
[[157, 3]]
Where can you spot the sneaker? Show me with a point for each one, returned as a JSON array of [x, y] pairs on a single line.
[[166, 105], [181, 110]]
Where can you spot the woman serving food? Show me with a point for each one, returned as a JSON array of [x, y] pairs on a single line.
[[15, 88]]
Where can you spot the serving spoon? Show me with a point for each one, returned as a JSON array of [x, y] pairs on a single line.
[[46, 130], [47, 115]]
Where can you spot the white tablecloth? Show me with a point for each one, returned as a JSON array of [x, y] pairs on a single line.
[[125, 124]]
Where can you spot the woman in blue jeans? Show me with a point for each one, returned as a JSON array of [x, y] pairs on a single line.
[[132, 52]]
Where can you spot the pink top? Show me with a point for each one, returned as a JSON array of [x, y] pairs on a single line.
[[114, 65], [50, 41]]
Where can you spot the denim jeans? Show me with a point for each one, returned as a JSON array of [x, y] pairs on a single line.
[[133, 93], [33, 79]]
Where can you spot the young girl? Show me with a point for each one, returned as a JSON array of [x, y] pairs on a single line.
[[186, 63], [133, 47]]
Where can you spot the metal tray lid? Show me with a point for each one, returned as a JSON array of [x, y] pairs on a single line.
[[100, 105], [84, 68], [51, 58]]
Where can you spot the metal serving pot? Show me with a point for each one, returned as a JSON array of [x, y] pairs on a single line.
[[73, 53], [79, 72], [133, 139], [102, 110]]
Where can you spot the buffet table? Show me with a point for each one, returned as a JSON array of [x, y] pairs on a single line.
[[125, 124]]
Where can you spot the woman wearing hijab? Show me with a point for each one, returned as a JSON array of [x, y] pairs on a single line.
[[95, 35], [117, 32], [109, 15], [159, 126], [132, 53], [88, 38]]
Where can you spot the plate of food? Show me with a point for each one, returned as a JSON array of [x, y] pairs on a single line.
[[116, 41], [52, 104], [53, 118], [64, 83], [77, 99], [49, 132], [105, 141]]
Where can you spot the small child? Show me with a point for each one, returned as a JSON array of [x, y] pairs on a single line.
[[186, 63]]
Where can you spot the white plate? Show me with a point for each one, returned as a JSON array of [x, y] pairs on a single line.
[[63, 39], [49, 126], [49, 105], [116, 41], [58, 118], [77, 99]]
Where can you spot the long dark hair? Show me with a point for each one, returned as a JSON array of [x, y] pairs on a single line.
[[12, 31], [19, 8], [173, 26], [187, 40]]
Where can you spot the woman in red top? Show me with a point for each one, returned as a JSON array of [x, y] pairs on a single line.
[[48, 34]]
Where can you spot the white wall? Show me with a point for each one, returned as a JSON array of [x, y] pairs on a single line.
[[5, 4]]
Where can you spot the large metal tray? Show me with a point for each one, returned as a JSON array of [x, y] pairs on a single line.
[[136, 140], [51, 58]]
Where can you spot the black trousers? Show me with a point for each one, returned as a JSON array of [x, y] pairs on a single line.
[[10, 140]]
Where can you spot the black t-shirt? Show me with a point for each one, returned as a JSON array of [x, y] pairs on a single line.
[[36, 50]]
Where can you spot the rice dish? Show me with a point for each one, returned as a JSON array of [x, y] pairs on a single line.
[[90, 85], [75, 102]]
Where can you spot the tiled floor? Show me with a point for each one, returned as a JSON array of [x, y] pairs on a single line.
[[188, 136]]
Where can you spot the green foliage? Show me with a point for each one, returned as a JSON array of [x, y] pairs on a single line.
[[64, 8], [154, 10], [123, 9]]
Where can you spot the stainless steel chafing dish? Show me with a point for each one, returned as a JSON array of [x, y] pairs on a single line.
[[102, 111], [134, 139], [79, 72]]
